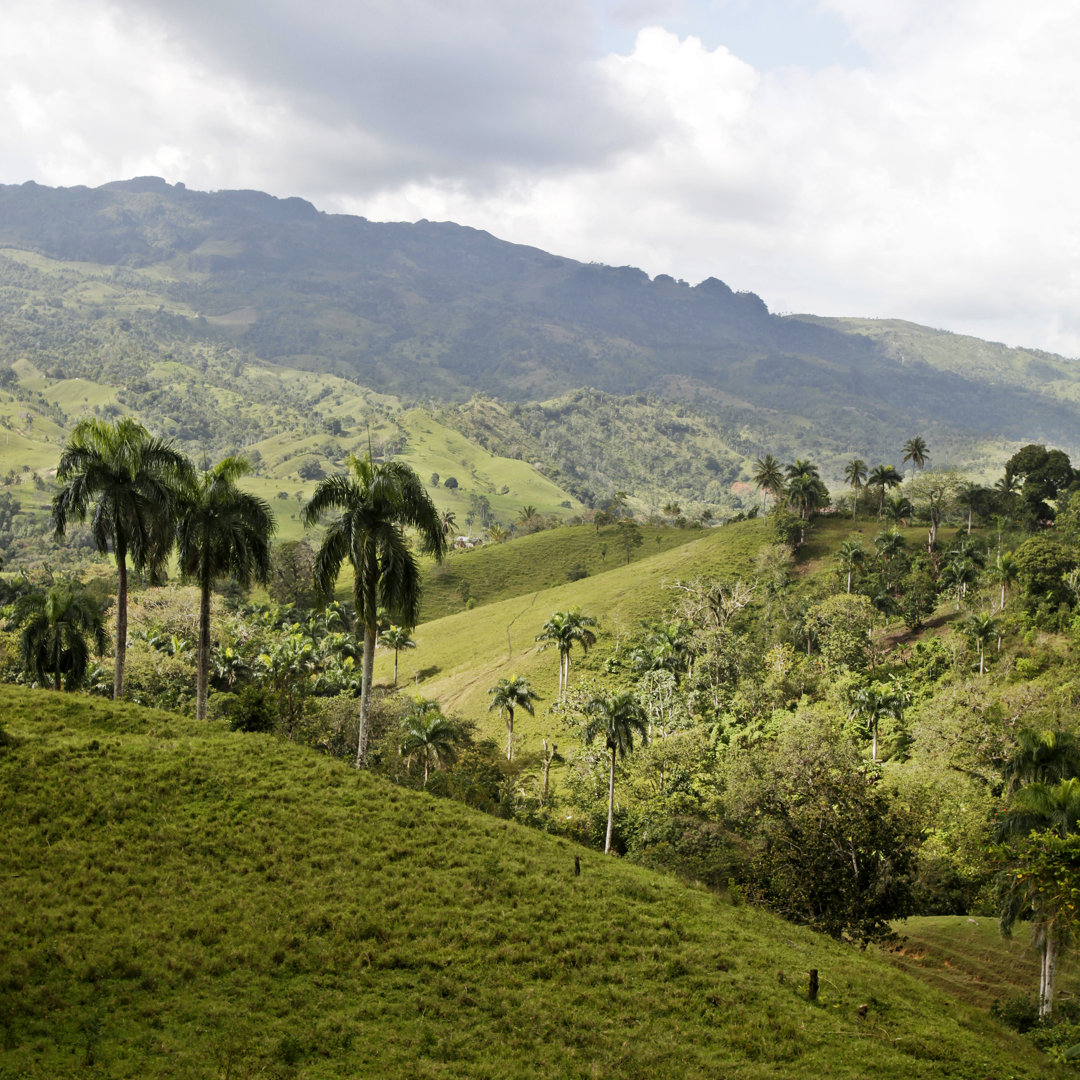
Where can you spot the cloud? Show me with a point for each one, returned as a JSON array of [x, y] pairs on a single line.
[[930, 178]]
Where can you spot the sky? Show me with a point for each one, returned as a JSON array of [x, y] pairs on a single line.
[[913, 159]]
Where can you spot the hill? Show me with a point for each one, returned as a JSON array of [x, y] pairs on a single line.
[[132, 284], [184, 902]]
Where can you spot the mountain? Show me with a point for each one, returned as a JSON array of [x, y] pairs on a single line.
[[439, 310]]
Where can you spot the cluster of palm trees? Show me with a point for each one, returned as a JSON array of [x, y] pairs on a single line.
[[800, 484], [144, 498]]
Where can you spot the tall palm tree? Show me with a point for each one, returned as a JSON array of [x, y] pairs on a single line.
[[616, 718], [377, 502], [917, 452], [768, 478], [1046, 757], [855, 477], [60, 625], [508, 695], [132, 481], [882, 477], [1003, 573], [429, 736], [875, 703], [978, 628], [564, 630], [220, 531], [1042, 807], [396, 638], [849, 555]]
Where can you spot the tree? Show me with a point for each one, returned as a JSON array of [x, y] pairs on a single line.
[[1041, 882], [396, 638], [849, 555], [1046, 757], [616, 718], [564, 630], [377, 502], [916, 451], [768, 478], [60, 626], [855, 477], [448, 521], [220, 531], [874, 704], [430, 737], [508, 695], [978, 628], [882, 477], [628, 536], [132, 480]]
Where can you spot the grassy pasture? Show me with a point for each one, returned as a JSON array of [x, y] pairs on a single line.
[[184, 902], [458, 657]]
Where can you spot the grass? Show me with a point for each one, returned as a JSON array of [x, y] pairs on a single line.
[[184, 902], [969, 959], [458, 657]]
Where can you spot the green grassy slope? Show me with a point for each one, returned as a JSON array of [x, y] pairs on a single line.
[[458, 657], [183, 902]]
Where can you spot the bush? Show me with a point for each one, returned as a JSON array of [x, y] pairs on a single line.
[[253, 709]]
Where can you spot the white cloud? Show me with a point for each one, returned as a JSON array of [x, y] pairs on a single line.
[[934, 181]]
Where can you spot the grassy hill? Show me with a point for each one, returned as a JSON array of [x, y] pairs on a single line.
[[458, 657], [184, 902]]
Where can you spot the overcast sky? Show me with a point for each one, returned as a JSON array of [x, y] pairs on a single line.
[[917, 159]]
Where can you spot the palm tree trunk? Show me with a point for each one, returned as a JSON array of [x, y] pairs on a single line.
[[610, 805], [395, 666], [121, 620], [1046, 980], [203, 659], [509, 734], [367, 665], [873, 744]]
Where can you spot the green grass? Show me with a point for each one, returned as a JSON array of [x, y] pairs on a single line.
[[969, 959], [458, 657], [185, 902]]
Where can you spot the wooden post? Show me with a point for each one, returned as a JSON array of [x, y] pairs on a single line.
[[812, 992]]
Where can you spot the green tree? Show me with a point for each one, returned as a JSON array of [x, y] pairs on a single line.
[[875, 703], [377, 502], [429, 737], [396, 638], [1046, 757], [615, 718], [564, 630], [855, 477], [60, 626], [850, 555], [768, 477], [220, 531], [508, 695], [979, 628], [917, 452], [628, 536], [883, 477], [132, 481]]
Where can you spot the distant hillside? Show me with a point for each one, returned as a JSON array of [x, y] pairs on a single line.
[[185, 902], [108, 278]]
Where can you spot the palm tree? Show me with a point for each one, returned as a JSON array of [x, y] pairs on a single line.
[[132, 481], [396, 638], [873, 704], [448, 521], [1042, 807], [898, 509], [429, 736], [889, 543], [508, 695], [220, 531], [855, 477], [978, 628], [615, 718], [974, 498], [60, 626], [564, 630], [849, 555], [768, 478], [1004, 573], [917, 452], [882, 477], [377, 502], [1046, 757]]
